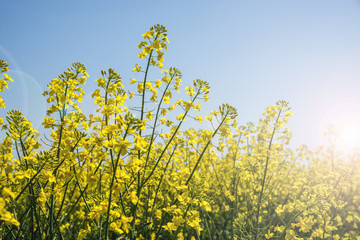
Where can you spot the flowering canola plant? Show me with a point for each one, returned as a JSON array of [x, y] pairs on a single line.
[[131, 171]]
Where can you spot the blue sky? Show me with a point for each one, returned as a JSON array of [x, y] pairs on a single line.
[[253, 53]]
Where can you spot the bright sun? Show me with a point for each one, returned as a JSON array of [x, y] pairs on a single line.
[[349, 136], [346, 120]]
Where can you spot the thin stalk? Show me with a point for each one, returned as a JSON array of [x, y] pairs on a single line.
[[68, 204], [144, 84], [203, 152], [73, 207], [301, 212], [107, 119], [159, 159], [194, 169], [264, 178], [20, 219], [167, 145], [160, 181], [111, 186], [154, 127], [31, 192], [82, 192], [63, 200]]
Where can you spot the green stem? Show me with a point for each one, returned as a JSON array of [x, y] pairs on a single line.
[[167, 145], [160, 181], [144, 84], [111, 186], [203, 152], [154, 127], [264, 178]]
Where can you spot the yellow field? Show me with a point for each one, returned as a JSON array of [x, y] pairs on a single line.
[[135, 173]]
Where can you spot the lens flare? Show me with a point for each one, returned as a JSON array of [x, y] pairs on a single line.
[[349, 136], [345, 119]]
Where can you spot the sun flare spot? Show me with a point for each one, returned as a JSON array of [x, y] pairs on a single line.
[[345, 121], [348, 137]]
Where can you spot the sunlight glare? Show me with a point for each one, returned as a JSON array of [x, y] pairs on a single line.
[[349, 136], [346, 120]]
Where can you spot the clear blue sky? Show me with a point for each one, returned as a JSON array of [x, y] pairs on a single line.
[[252, 52]]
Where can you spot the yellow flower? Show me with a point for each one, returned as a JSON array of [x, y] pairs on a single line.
[[199, 118], [83, 233], [114, 227], [133, 197], [65, 226], [269, 234], [137, 68], [153, 62], [140, 143], [208, 118], [42, 198], [6, 192], [160, 56], [225, 131], [6, 216], [158, 214], [190, 91], [8, 78], [165, 39], [50, 177], [149, 115], [148, 34], [2, 103], [178, 221], [49, 122], [166, 79], [170, 227], [141, 44], [180, 117], [156, 45], [157, 83], [206, 206], [279, 229], [160, 64]]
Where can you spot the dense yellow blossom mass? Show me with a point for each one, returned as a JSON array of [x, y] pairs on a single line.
[[133, 172]]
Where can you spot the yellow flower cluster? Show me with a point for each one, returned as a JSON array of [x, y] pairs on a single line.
[[155, 42], [131, 171], [4, 80]]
